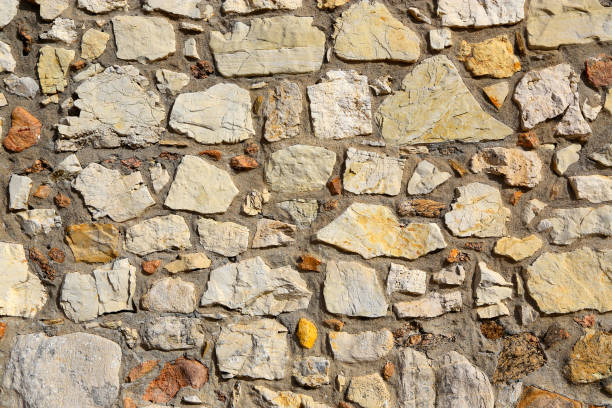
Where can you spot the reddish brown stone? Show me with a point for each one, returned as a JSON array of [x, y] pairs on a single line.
[[42, 191], [415, 339], [41, 260], [476, 246], [533, 397], [528, 140], [330, 205], [62, 200], [455, 256], [335, 324], [129, 403], [2, 329], [213, 154], [343, 404], [335, 186], [202, 69], [141, 370], [599, 70], [492, 330], [251, 148], [131, 163], [25, 38], [521, 354], [243, 163], [174, 376], [24, 132], [150, 267], [586, 321], [458, 167], [57, 255], [309, 263], [516, 197], [520, 43], [169, 155], [420, 208], [78, 65], [38, 166], [388, 370]]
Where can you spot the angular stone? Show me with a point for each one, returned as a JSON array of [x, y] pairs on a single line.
[[302, 212], [7, 61], [361, 228], [143, 38], [372, 173], [188, 263], [509, 394], [170, 295], [170, 81], [421, 208], [534, 398], [603, 156], [190, 49], [497, 93], [102, 6], [479, 13], [21, 292], [254, 201], [340, 105], [311, 372], [492, 311], [254, 289], [545, 94], [426, 178], [565, 157], [415, 114], [9, 8], [417, 380], [569, 225], [200, 187], [284, 399], [454, 275], [518, 248], [591, 358], [249, 6], [21, 86], [360, 347], [93, 43], [53, 66], [81, 369], [272, 233], [221, 114], [367, 31], [299, 168], [274, 45], [93, 242], [79, 297], [224, 238], [521, 354], [173, 377], [461, 384], [24, 132], [255, 349], [182, 8], [19, 192], [552, 23], [109, 118], [591, 107], [403, 280], [532, 209], [571, 281], [493, 57], [36, 221], [281, 111], [440, 39], [63, 29], [433, 304], [598, 70], [478, 211], [519, 168], [159, 177], [172, 333], [70, 165], [158, 234], [50, 9], [596, 188], [369, 391], [492, 288], [306, 333]]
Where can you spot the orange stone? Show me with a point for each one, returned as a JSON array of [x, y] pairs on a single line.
[[516, 197], [24, 132], [129, 403], [335, 186], [150, 267], [533, 397], [62, 200], [388, 370], [335, 324], [243, 162], [213, 154], [57, 255], [42, 191], [309, 263], [141, 370], [528, 140], [174, 376], [2, 329], [251, 148]]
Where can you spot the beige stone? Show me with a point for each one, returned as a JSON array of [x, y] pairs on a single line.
[[497, 93], [53, 66], [596, 188], [285, 399], [188, 262], [102, 6], [565, 157], [93, 43], [330, 4], [361, 347], [182, 8], [369, 391], [50, 9], [518, 248], [158, 234], [372, 173], [493, 57], [426, 178], [170, 295], [224, 238], [252, 6], [480, 13], [282, 110], [434, 304], [273, 233], [299, 168], [519, 168], [568, 225], [143, 38]]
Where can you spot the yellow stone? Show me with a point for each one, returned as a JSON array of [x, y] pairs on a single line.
[[518, 248], [591, 358], [93, 44], [93, 242], [493, 57], [307, 333], [53, 65]]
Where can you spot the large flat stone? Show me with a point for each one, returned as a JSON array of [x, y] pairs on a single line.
[[566, 225], [596, 188], [480, 13], [462, 385], [158, 234], [591, 358], [7, 61], [143, 38], [93, 242], [224, 238], [417, 380], [361, 347], [372, 173]]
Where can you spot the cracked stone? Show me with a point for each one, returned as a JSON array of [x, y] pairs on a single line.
[[285, 399], [143, 38], [169, 333], [599, 70], [224, 238], [434, 304], [417, 380], [403, 280], [282, 110], [53, 66], [170, 295], [440, 39], [493, 57], [170, 81], [93, 44], [311, 371], [480, 13], [302, 212], [519, 168], [492, 288], [372, 173], [461, 384], [173, 376], [272, 233], [533, 397], [158, 234], [426, 178], [369, 391], [361, 347], [568, 225]]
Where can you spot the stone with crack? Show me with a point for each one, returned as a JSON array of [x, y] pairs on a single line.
[[158, 234], [480, 13], [603, 156], [170, 81], [360, 347], [453, 275], [372, 173], [417, 380], [491, 288], [311, 371], [188, 263], [273, 233], [519, 168], [282, 109], [566, 225], [434, 304], [461, 384], [143, 38], [591, 358], [53, 66], [302, 212], [284, 399]]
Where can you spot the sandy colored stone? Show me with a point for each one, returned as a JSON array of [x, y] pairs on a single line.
[[284, 399], [340, 105], [591, 358], [434, 106], [182, 8], [440, 39], [93, 43], [272, 233], [426, 178], [224, 238], [421, 208], [369, 391], [299, 168], [404, 280], [493, 57], [497, 93], [360, 347], [480, 13], [24, 132], [188, 263], [367, 31], [568, 225], [595, 188], [159, 177], [565, 157], [158, 234], [50, 9], [172, 333], [330, 4], [221, 114], [603, 156], [311, 372], [273, 45], [53, 66], [417, 380], [282, 110], [141, 370], [170, 295], [252, 6], [518, 248], [176, 375], [143, 38], [519, 168], [491, 287], [7, 61], [372, 173], [93, 243], [570, 281], [453, 275], [434, 304]]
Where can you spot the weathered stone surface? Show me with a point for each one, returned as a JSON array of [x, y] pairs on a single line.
[[53, 66], [172, 333], [21, 292], [143, 38], [108, 193], [492, 311], [477, 13], [595, 188], [421, 208], [250, 6], [433, 304], [78, 369], [159, 177], [493, 57], [367, 31], [50, 9], [93, 242], [461, 384], [272, 233], [224, 238], [306, 333], [519, 168], [21, 86], [571, 281], [416, 113], [534, 398], [552, 23], [10, 11], [497, 93], [19, 192], [284, 399], [403, 280], [36, 221], [565, 157], [360, 347], [170, 295], [353, 289], [93, 44], [254, 201], [274, 45], [340, 105], [182, 8], [492, 288], [282, 110], [24, 132], [417, 380], [102, 6], [440, 39], [256, 349], [598, 70], [7, 61], [591, 358], [63, 29], [521, 354], [453, 275], [188, 263], [426, 178], [603, 156], [299, 168], [302, 212], [369, 391], [79, 297], [170, 81], [372, 230], [221, 114], [176, 375], [109, 118], [372, 173], [518, 248], [255, 289], [201, 187], [158, 234], [311, 372], [568, 225]]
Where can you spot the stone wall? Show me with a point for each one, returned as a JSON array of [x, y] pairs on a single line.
[[296, 204]]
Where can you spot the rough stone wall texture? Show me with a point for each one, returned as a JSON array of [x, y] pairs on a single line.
[[291, 204]]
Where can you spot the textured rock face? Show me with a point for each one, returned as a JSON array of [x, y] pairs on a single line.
[[247, 7], [299, 168], [170, 295], [367, 31], [571, 281], [282, 110], [371, 173], [417, 380], [224, 238], [369, 391], [426, 178], [172, 333], [284, 399], [591, 358], [176, 375], [360, 229], [433, 106], [221, 114], [360, 347], [518, 248], [460, 384], [183, 8], [53, 65], [76, 369], [519, 168], [274, 45], [102, 6], [143, 38], [93, 43], [158, 234], [404, 280], [7, 62], [493, 57], [568, 225], [10, 11], [596, 188], [433, 304], [476, 13], [312, 372]]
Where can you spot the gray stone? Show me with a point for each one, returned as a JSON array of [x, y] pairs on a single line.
[[282, 110], [69, 166], [434, 304], [172, 333], [79, 297], [480, 13], [509, 394], [170, 81], [372, 173], [170, 295], [568, 225], [462, 385], [426, 178], [302, 212], [595, 188], [9, 8], [272, 233], [453, 275], [159, 177], [190, 49], [21, 86], [158, 234], [369, 391], [299, 168], [603, 156], [311, 372], [224, 238], [182, 8], [360, 347], [417, 380], [19, 192], [143, 38], [403, 280]]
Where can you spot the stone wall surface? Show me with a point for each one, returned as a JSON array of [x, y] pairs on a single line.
[[306, 204]]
